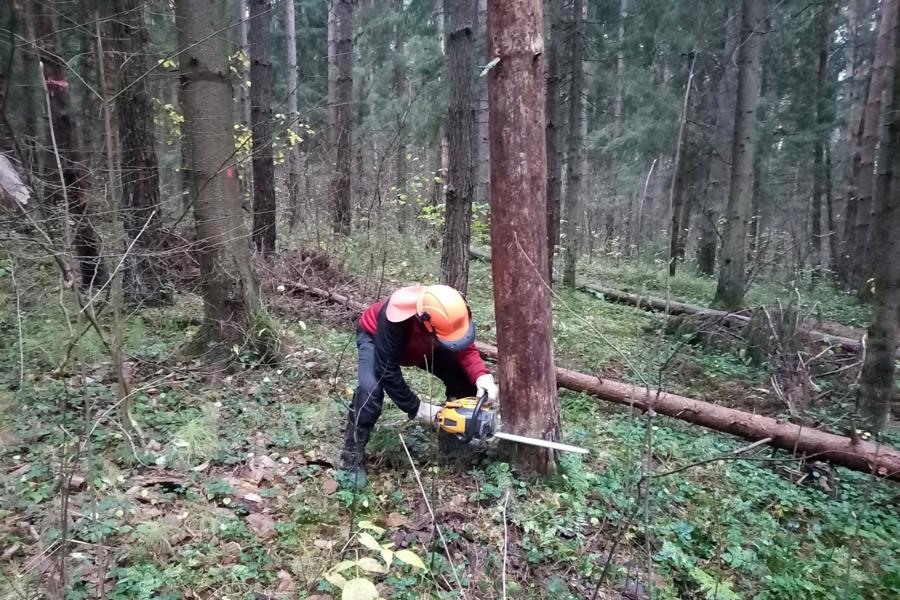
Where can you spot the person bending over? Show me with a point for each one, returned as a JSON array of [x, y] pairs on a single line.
[[429, 327]]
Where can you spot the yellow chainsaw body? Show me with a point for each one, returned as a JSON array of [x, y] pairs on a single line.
[[457, 417]]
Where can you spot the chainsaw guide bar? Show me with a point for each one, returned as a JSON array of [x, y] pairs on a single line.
[[475, 419]]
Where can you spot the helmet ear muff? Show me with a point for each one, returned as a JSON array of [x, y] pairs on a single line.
[[425, 320]]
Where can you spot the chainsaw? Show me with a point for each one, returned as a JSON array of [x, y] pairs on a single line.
[[474, 418]]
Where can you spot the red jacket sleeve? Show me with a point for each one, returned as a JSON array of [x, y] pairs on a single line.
[[471, 362]]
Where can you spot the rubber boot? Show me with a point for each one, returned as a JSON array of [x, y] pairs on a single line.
[[353, 468]]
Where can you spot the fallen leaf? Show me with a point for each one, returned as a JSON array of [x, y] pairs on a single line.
[[285, 582], [202, 467], [262, 524], [329, 486], [251, 497], [259, 468], [395, 519], [232, 552], [324, 544]]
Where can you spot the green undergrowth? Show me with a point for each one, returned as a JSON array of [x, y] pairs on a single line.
[[235, 491]]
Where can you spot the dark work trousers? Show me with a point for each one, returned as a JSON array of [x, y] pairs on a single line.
[[368, 400]]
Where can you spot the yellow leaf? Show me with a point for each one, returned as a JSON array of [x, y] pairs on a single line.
[[387, 556], [336, 579], [371, 526], [369, 542], [367, 563], [410, 558], [343, 566], [359, 589]]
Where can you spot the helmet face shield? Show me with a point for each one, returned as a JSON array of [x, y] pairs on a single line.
[[446, 315]]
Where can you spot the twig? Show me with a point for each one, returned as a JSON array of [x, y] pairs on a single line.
[[62, 178], [750, 447], [12, 277], [121, 262], [505, 542], [433, 518]]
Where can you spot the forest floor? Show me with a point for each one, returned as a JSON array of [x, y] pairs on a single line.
[[235, 494]]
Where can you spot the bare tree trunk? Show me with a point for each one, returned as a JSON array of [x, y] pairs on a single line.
[[575, 155], [620, 70], [519, 226], [233, 313], [261, 126], [677, 193], [732, 272], [554, 122], [73, 179], [332, 134], [399, 75], [821, 139], [829, 207], [292, 163], [461, 138], [145, 277], [877, 104], [244, 33], [878, 389], [483, 177], [343, 98], [720, 163], [856, 67]]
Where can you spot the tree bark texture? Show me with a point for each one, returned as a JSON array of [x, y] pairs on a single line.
[[519, 226], [829, 211], [145, 280], [461, 139], [813, 444], [732, 272], [261, 126], [343, 115], [856, 66], [575, 154], [620, 70], [678, 200], [72, 183], [292, 162], [483, 177], [231, 295], [243, 88], [400, 168], [554, 123], [877, 106], [819, 142], [878, 387]]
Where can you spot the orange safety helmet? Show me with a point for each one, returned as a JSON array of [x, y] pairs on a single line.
[[444, 312]]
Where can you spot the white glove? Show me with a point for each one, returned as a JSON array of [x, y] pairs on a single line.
[[486, 385], [427, 412]]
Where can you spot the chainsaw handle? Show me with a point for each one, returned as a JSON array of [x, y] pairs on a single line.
[[470, 431]]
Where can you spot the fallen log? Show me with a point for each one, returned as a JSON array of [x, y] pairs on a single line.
[[868, 457], [731, 318]]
